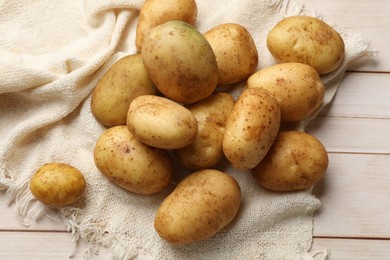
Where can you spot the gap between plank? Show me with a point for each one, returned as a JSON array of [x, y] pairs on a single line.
[[353, 238]]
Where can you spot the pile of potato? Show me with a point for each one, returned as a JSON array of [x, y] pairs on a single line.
[[173, 96]]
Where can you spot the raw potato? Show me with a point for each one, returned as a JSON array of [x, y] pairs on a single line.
[[211, 114], [125, 80], [130, 164], [296, 86], [251, 128], [161, 123], [201, 205], [296, 161], [156, 12], [235, 51], [57, 184], [180, 61], [307, 40]]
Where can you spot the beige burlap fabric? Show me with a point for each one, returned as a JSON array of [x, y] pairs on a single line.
[[52, 52]]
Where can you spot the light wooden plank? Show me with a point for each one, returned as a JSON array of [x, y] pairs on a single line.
[[355, 197], [362, 95], [47, 246], [371, 18], [357, 135], [41, 246], [357, 249]]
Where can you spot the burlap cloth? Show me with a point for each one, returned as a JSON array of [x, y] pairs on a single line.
[[52, 52]]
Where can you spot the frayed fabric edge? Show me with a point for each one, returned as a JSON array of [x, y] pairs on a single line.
[[95, 234]]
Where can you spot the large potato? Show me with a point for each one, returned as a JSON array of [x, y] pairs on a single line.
[[235, 52], [211, 114], [201, 205], [130, 164], [295, 161], [161, 123], [251, 128], [57, 184], [180, 61], [296, 86], [156, 12], [123, 81], [307, 40]]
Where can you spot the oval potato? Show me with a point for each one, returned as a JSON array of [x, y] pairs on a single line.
[[125, 80], [211, 114], [307, 40], [130, 164], [235, 51], [180, 62], [296, 86], [161, 123], [251, 128], [201, 205], [156, 12], [57, 184], [296, 161]]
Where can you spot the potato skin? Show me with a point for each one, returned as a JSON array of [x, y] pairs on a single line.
[[307, 40], [156, 12], [296, 161], [180, 62], [211, 114], [251, 128], [125, 80], [235, 51], [130, 164], [296, 86], [161, 123], [201, 205], [57, 184]]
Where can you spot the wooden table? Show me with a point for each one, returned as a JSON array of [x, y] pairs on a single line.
[[354, 219]]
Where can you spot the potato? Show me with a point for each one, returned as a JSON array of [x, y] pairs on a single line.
[[201, 205], [123, 81], [306, 40], [251, 128], [180, 62], [130, 164], [156, 12], [161, 123], [57, 184], [211, 114], [296, 86], [296, 161], [235, 52]]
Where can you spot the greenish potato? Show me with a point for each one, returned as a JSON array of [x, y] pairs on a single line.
[[125, 80], [180, 62]]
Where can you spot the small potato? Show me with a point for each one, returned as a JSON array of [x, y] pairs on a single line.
[[57, 184], [211, 114], [251, 128], [235, 52], [161, 123], [156, 12], [296, 86], [130, 164], [180, 62], [201, 205], [307, 40], [295, 161], [124, 81]]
